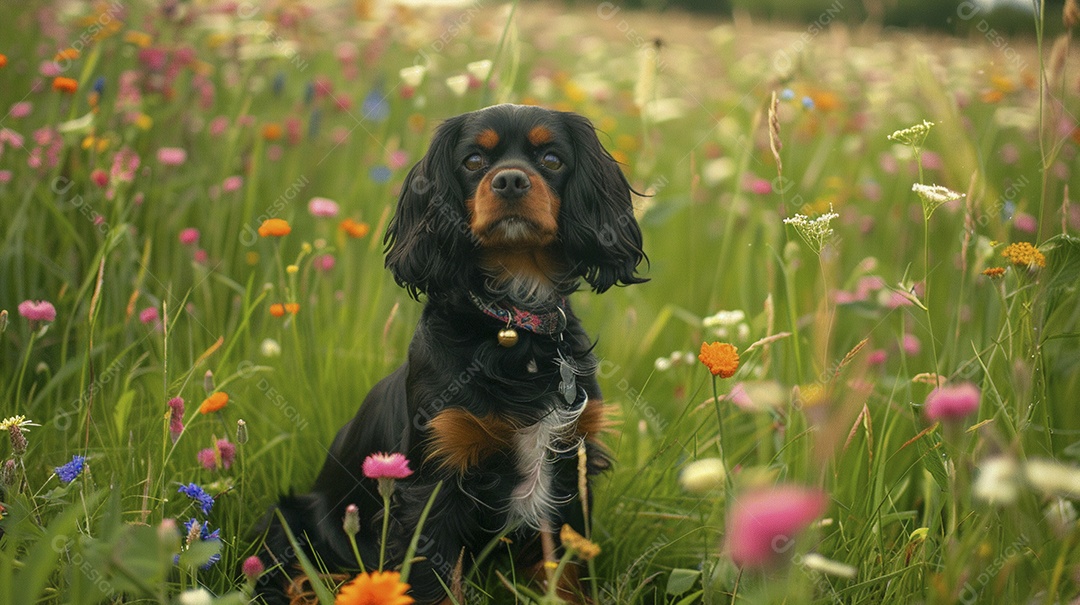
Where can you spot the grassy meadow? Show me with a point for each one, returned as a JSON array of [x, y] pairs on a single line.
[[143, 146]]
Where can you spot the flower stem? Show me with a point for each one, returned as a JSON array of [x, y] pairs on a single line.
[[385, 527]]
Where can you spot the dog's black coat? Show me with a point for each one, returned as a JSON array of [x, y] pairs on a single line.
[[437, 247]]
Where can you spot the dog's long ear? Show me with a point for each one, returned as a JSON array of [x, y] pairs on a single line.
[[428, 239], [597, 224]]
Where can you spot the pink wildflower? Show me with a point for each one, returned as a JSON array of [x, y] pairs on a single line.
[[876, 357], [176, 418], [391, 466], [758, 186], [37, 310], [911, 344], [124, 165], [323, 207], [274, 152], [200, 256], [148, 315], [6, 176], [209, 457], [232, 183], [218, 126], [100, 178], [189, 236], [50, 69], [1025, 222], [172, 156], [952, 403], [398, 159], [20, 109], [762, 523], [252, 568], [325, 262]]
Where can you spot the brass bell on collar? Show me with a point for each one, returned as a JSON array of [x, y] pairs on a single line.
[[508, 337]]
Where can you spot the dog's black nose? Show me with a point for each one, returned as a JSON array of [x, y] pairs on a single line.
[[511, 183]]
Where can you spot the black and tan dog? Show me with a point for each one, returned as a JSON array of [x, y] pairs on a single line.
[[511, 207]]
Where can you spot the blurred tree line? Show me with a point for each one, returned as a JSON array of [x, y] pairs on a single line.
[[1010, 17]]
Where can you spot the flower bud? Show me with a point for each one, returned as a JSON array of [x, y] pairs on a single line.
[[241, 432], [208, 382], [351, 525]]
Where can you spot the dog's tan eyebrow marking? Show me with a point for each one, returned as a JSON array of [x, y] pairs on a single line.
[[487, 138], [540, 135]]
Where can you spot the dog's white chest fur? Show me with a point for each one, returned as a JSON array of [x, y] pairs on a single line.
[[535, 448]]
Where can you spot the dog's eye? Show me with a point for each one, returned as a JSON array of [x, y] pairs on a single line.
[[551, 161], [474, 162]]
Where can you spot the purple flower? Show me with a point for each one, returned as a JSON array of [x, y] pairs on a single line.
[[70, 471], [37, 310]]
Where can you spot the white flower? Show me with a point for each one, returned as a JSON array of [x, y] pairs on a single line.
[[19, 421], [997, 482], [1053, 478], [723, 318], [717, 171], [934, 195], [833, 568], [1060, 515], [479, 69], [702, 476], [270, 348], [412, 76], [197, 596], [458, 84], [914, 135], [816, 232], [662, 364]]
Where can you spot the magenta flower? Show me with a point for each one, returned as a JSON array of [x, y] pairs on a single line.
[[148, 315], [758, 186], [208, 457], [189, 236], [37, 310], [324, 262], [1025, 222], [172, 156], [323, 207], [398, 159], [389, 466], [911, 344], [252, 568], [176, 417], [952, 402], [100, 177], [218, 126], [6, 176], [762, 523]]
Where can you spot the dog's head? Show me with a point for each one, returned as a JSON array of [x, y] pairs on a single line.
[[514, 197]]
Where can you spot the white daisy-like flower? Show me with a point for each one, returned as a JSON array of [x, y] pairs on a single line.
[[998, 480], [412, 76], [1053, 478], [458, 84], [479, 69]]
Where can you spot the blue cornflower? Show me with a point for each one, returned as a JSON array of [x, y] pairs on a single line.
[[380, 174], [204, 535], [71, 470], [99, 85], [375, 107], [278, 85], [787, 94], [807, 103], [196, 493]]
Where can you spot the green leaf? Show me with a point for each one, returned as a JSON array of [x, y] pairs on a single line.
[[45, 555], [120, 412], [199, 553], [682, 580]]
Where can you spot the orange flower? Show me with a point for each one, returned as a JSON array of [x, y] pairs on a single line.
[[1024, 254], [3, 60], [68, 85], [375, 588], [214, 403], [277, 309], [721, 358], [293, 308], [274, 227], [68, 54], [272, 131], [994, 272], [355, 229]]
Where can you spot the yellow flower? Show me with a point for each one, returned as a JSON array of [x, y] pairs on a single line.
[[375, 588], [721, 358], [274, 227], [214, 403], [994, 272], [140, 39], [584, 548], [1024, 254]]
